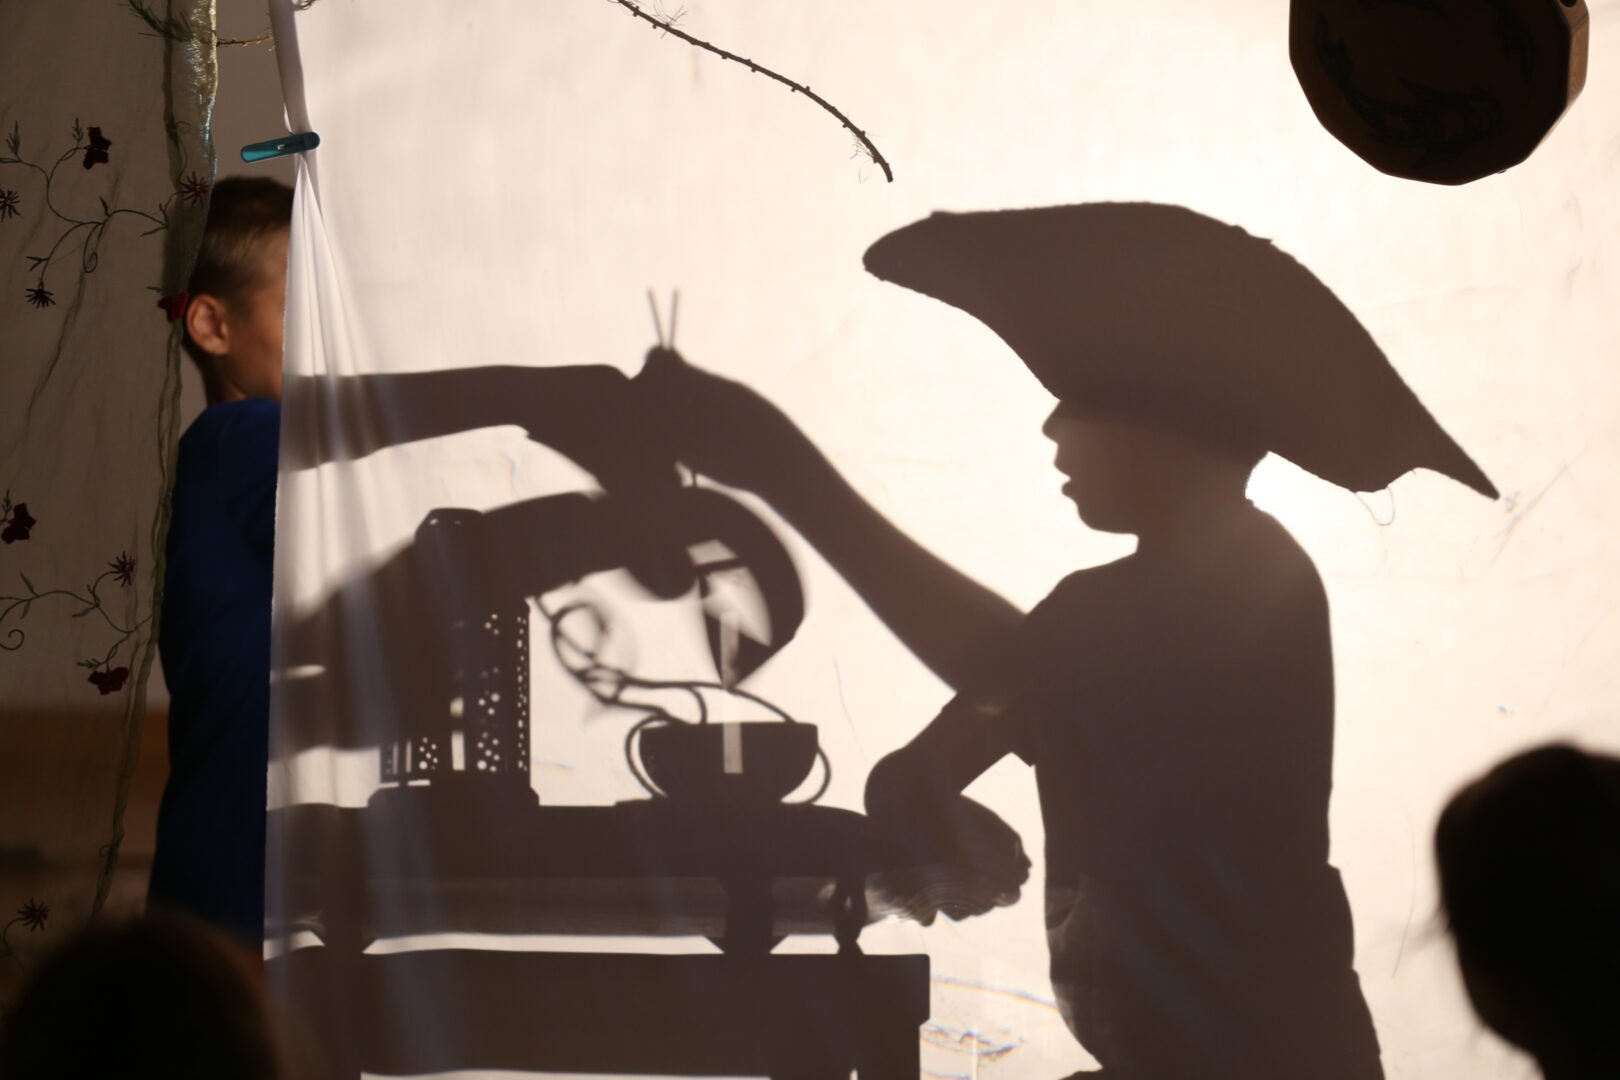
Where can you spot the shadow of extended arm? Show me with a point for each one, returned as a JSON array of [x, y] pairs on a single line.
[[576, 410], [950, 622]]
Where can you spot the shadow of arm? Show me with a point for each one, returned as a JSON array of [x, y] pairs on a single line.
[[579, 411], [730, 432], [957, 856]]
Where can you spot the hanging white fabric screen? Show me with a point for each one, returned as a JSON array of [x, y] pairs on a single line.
[[498, 187]]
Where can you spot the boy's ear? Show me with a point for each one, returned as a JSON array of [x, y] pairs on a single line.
[[207, 326]]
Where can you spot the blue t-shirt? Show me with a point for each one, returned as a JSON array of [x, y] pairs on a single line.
[[215, 648]]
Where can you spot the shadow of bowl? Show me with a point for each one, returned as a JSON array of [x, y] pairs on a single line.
[[750, 763]]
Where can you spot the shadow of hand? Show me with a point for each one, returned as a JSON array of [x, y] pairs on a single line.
[[963, 861], [718, 427]]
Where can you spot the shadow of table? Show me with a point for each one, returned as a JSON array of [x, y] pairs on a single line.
[[414, 864]]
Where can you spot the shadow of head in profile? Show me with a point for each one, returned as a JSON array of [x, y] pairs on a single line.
[[1529, 864], [1177, 705]]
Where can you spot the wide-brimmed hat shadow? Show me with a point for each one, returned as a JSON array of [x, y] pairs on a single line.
[[1158, 315]]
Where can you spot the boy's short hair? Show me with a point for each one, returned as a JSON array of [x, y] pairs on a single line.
[[242, 212]]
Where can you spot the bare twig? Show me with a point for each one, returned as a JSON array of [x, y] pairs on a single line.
[[668, 27], [181, 29], [260, 40]]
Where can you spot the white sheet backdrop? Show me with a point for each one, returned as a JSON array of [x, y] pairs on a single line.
[[500, 181]]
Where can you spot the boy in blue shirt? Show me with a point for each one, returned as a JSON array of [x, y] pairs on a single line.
[[215, 635]]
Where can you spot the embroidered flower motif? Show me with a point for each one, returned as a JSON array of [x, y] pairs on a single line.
[[109, 682], [194, 189], [17, 523], [39, 296], [34, 914], [9, 201], [174, 305], [123, 568], [96, 152]]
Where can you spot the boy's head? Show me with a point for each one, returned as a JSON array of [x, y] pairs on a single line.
[[1140, 478], [1529, 861], [238, 290]]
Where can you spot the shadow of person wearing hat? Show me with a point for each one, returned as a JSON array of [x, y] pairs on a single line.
[[1177, 705]]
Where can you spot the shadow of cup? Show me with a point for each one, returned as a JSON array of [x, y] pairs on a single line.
[[749, 763]]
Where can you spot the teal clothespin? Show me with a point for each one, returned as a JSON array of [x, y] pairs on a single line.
[[273, 148]]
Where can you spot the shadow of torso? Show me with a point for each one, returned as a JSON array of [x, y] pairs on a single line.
[[1178, 709]]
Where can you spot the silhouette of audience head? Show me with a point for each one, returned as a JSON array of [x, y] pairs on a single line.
[[1529, 861], [159, 997]]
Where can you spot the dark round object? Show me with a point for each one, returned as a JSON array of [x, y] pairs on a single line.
[[159, 998], [752, 763], [1445, 91]]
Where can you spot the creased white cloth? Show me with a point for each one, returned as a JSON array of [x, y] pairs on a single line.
[[500, 183]]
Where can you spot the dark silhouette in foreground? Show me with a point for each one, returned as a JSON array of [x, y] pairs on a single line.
[[1529, 861], [1177, 705], [161, 998]]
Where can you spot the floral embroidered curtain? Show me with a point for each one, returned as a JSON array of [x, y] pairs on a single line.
[[104, 183]]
